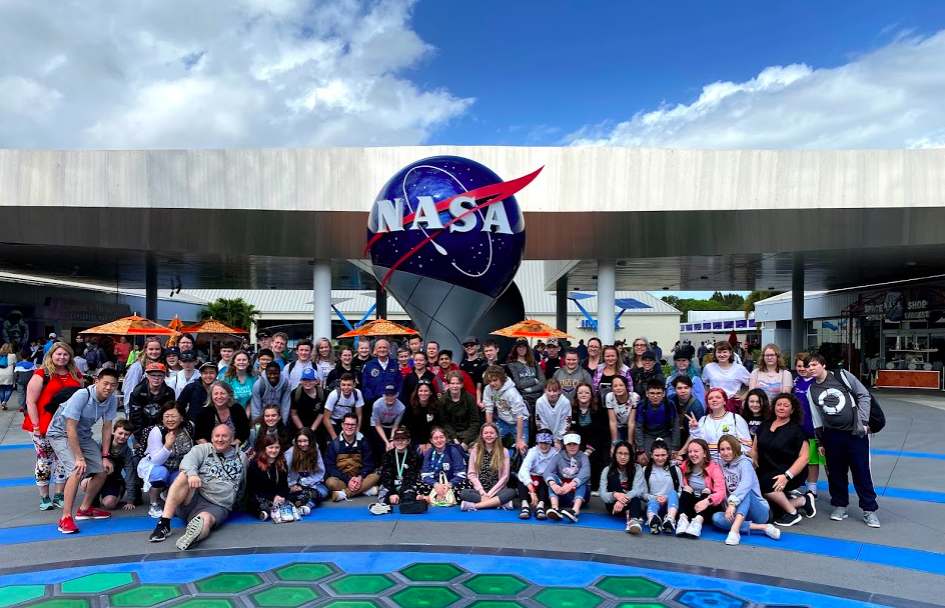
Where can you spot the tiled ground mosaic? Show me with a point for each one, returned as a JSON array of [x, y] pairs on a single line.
[[325, 585]]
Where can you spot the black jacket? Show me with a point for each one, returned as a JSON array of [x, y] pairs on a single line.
[[194, 396], [207, 419], [411, 472], [265, 485], [144, 407]]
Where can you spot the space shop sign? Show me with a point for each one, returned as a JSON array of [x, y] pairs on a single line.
[[902, 306]]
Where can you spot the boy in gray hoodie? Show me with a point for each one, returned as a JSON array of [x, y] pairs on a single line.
[[271, 387], [505, 406], [567, 476]]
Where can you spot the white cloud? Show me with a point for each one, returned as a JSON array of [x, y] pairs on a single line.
[[892, 97], [218, 73]]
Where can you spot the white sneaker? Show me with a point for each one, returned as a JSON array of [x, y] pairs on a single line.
[[338, 496], [695, 529], [733, 538], [682, 526], [156, 510], [379, 508], [305, 510], [371, 492], [773, 532], [467, 506]]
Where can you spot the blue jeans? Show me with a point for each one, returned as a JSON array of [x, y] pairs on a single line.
[[754, 510], [506, 429], [6, 391], [160, 477], [655, 508], [566, 500]]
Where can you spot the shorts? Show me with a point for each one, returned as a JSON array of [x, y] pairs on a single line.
[[766, 481], [111, 488], [90, 451], [815, 457], [198, 504]]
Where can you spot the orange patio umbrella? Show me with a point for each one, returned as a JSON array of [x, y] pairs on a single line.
[[530, 328], [130, 326], [176, 324], [380, 327], [212, 326]]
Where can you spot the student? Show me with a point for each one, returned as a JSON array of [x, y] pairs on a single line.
[[567, 476], [552, 362], [443, 468], [591, 422], [620, 403], [267, 482], [307, 405], [324, 359], [186, 375], [770, 374], [269, 424], [655, 418], [444, 367], [682, 367], [662, 489], [553, 411], [504, 405], [278, 344], [646, 373], [194, 396], [622, 486], [703, 490], [70, 434], [422, 414], [306, 471], [727, 375], [526, 373], [488, 473], [144, 406], [403, 362], [532, 488], [474, 365], [166, 445], [119, 486], [270, 388], [294, 370], [747, 510], [418, 373], [607, 371], [340, 402], [345, 365], [571, 374], [400, 473], [685, 403], [350, 463], [459, 413], [801, 385], [387, 413], [718, 421], [756, 409]]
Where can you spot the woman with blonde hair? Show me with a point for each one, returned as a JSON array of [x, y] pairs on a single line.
[[488, 473], [323, 358], [57, 372], [7, 362], [770, 373]]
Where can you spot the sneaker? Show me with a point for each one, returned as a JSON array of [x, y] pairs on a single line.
[[156, 510], [870, 519], [669, 525], [507, 506], [773, 532], [634, 526], [839, 514], [694, 530], [683, 526], [553, 514], [526, 512], [467, 506], [305, 510], [160, 533], [263, 516], [595, 493], [788, 519], [190, 535], [571, 515], [540, 514], [59, 500], [810, 505], [371, 491], [654, 523], [92, 514], [45, 503], [275, 514], [67, 526], [733, 538], [338, 496], [379, 508]]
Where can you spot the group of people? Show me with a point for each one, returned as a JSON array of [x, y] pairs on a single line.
[[410, 428]]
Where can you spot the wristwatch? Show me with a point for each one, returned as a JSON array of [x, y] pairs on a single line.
[[788, 475]]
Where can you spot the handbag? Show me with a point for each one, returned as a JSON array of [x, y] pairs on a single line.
[[413, 507], [449, 497]]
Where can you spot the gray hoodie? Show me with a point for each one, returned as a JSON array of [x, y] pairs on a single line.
[[576, 468], [265, 393], [506, 403], [741, 480], [222, 479], [570, 380]]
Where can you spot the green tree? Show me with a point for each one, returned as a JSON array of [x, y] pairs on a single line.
[[236, 312], [754, 297], [684, 305]]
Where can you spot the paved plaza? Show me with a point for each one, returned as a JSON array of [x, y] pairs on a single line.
[[342, 556]]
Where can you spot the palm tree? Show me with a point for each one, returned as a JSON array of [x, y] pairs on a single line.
[[755, 297], [236, 312]]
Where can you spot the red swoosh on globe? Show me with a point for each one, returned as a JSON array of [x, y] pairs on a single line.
[[500, 192]]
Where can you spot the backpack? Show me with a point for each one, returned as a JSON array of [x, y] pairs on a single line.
[[673, 472], [877, 421], [92, 357], [62, 396]]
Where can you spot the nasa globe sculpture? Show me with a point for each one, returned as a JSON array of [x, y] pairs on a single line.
[[446, 237]]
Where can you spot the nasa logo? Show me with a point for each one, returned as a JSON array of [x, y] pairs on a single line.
[[375, 373], [450, 219]]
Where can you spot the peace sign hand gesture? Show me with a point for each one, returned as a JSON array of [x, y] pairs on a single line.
[[693, 423]]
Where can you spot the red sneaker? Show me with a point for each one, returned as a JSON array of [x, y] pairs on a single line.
[[92, 514], [67, 526]]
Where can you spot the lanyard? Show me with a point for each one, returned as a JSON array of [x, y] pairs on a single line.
[[400, 466]]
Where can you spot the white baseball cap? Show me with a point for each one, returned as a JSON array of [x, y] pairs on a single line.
[[572, 438]]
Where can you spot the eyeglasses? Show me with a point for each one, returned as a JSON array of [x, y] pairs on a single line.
[[349, 424]]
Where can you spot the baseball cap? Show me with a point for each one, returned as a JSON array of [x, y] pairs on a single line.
[[209, 365], [173, 350], [390, 389], [308, 373], [552, 342], [401, 433], [155, 368], [263, 333], [188, 355], [649, 355], [52, 335], [470, 340], [572, 438], [521, 341], [679, 355]]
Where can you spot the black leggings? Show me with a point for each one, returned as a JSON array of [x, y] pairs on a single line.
[[542, 490], [687, 506], [635, 509]]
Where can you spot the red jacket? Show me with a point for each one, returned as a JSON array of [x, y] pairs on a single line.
[[714, 481], [441, 380]]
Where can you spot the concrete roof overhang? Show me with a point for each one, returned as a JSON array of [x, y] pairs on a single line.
[[254, 218]]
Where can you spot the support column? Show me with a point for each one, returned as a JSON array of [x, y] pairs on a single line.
[[798, 322], [561, 304], [606, 293], [150, 286], [380, 296], [321, 299]]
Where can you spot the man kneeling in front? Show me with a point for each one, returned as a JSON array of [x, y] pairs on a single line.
[[212, 479]]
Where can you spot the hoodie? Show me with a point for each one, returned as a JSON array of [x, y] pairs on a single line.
[[575, 468], [506, 403], [555, 418], [265, 393], [449, 462], [535, 464], [741, 480], [570, 380]]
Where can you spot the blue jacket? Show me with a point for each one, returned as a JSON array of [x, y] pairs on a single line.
[[374, 379], [451, 463], [346, 460]]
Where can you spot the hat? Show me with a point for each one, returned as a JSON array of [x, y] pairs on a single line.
[[308, 373], [521, 341], [173, 350], [471, 340], [390, 389], [52, 335], [649, 355], [400, 433], [572, 438], [155, 367], [680, 355], [263, 333], [209, 365], [188, 355], [552, 342]]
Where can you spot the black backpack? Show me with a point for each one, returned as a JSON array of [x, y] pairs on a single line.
[[61, 397], [877, 420]]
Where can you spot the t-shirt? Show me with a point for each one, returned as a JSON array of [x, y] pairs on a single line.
[[387, 416], [603, 387], [773, 384], [84, 407], [339, 405], [730, 380], [622, 411], [778, 449], [307, 408], [122, 351]]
